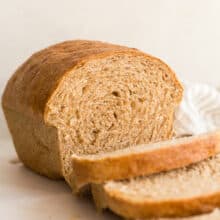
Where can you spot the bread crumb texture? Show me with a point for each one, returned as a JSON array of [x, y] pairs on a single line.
[[195, 180]]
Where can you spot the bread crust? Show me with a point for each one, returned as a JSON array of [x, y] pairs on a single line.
[[214, 215], [30, 89], [34, 82], [133, 209], [89, 170]]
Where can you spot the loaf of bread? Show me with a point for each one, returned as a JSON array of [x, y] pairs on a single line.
[[87, 97], [144, 159], [179, 193]]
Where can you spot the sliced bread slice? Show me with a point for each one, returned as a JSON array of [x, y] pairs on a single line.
[[179, 193], [215, 215], [143, 159]]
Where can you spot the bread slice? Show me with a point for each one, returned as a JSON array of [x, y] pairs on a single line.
[[86, 97], [143, 159], [179, 193], [215, 215]]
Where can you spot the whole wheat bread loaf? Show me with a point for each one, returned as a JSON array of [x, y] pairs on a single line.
[[143, 159], [179, 193], [86, 97]]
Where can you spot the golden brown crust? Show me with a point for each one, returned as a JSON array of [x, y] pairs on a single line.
[[214, 215], [36, 144], [87, 170], [132, 209], [32, 85]]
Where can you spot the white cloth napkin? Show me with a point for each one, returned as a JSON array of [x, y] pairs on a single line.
[[199, 111]]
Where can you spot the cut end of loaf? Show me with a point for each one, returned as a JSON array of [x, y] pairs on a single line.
[[113, 102]]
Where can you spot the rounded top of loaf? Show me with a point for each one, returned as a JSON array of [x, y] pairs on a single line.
[[33, 83]]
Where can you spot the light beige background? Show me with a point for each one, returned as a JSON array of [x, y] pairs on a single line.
[[186, 34]]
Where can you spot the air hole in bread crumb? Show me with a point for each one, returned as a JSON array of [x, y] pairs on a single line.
[[165, 76], [115, 115], [84, 89], [141, 100], [96, 131], [133, 104], [106, 69], [80, 140], [172, 96], [115, 93], [77, 114], [62, 107]]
